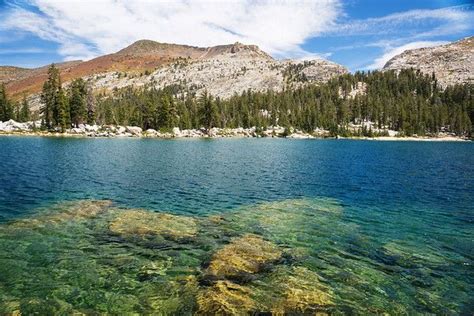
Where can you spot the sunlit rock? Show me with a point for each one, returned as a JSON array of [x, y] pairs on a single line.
[[134, 130], [284, 221], [143, 223], [245, 255], [67, 211]]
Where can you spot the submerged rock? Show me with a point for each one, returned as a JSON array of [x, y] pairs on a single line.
[[245, 255], [67, 211], [143, 223], [288, 222], [226, 298], [301, 292], [410, 256]]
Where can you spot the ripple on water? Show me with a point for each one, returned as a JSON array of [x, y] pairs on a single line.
[[294, 256]]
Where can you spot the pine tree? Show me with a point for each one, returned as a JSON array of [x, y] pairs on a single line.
[[208, 110], [63, 118], [164, 113], [49, 98], [6, 110], [24, 111], [90, 106], [77, 101]]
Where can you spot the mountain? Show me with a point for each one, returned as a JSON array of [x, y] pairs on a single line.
[[452, 63], [223, 70]]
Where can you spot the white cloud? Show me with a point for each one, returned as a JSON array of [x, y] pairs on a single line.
[[22, 51], [392, 52], [442, 21], [89, 28]]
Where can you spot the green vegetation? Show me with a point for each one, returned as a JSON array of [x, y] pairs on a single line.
[[77, 101], [6, 109], [24, 112], [62, 108], [12, 110], [409, 102]]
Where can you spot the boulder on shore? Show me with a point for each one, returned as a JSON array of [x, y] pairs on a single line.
[[134, 130]]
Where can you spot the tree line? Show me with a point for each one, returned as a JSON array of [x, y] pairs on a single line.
[[9, 109], [63, 108], [406, 101]]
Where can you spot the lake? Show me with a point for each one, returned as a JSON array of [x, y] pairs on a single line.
[[231, 225]]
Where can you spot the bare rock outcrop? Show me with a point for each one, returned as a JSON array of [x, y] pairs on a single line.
[[452, 63]]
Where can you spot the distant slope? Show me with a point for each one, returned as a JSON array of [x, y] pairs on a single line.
[[31, 80], [223, 70], [10, 73], [138, 57], [452, 63]]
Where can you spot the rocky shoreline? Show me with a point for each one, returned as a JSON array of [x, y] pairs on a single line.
[[32, 128]]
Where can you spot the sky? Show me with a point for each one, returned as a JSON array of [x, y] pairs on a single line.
[[359, 34]]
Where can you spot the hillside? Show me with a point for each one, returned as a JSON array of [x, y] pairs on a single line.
[[452, 63], [226, 70], [222, 70], [138, 57], [10, 73], [141, 56]]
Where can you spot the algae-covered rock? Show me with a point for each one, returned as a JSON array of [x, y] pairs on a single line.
[[409, 256], [302, 292], [143, 223], [248, 254], [66, 211], [286, 220], [176, 296], [226, 298]]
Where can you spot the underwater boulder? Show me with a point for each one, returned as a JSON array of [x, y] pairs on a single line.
[[300, 291], [243, 256], [66, 211], [226, 298], [129, 223]]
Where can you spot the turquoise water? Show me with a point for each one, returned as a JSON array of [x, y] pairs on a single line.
[[377, 226]]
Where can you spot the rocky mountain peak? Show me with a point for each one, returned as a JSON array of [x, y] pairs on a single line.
[[236, 49]]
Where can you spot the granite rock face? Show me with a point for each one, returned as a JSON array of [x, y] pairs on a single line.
[[452, 63], [228, 71], [222, 70]]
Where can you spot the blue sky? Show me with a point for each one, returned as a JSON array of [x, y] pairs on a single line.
[[360, 34]]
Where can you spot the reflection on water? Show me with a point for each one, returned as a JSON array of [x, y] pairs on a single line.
[[295, 256]]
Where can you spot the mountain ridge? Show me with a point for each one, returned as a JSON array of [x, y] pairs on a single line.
[[140, 56], [223, 70], [452, 63], [228, 69]]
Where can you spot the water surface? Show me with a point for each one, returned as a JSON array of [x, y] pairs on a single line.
[[378, 226]]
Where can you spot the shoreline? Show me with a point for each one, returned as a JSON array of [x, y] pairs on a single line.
[[13, 128], [295, 136]]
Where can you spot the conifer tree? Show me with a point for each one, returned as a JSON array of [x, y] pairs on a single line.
[[6, 110], [49, 98], [24, 111], [90, 106], [77, 101], [207, 109], [63, 116]]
